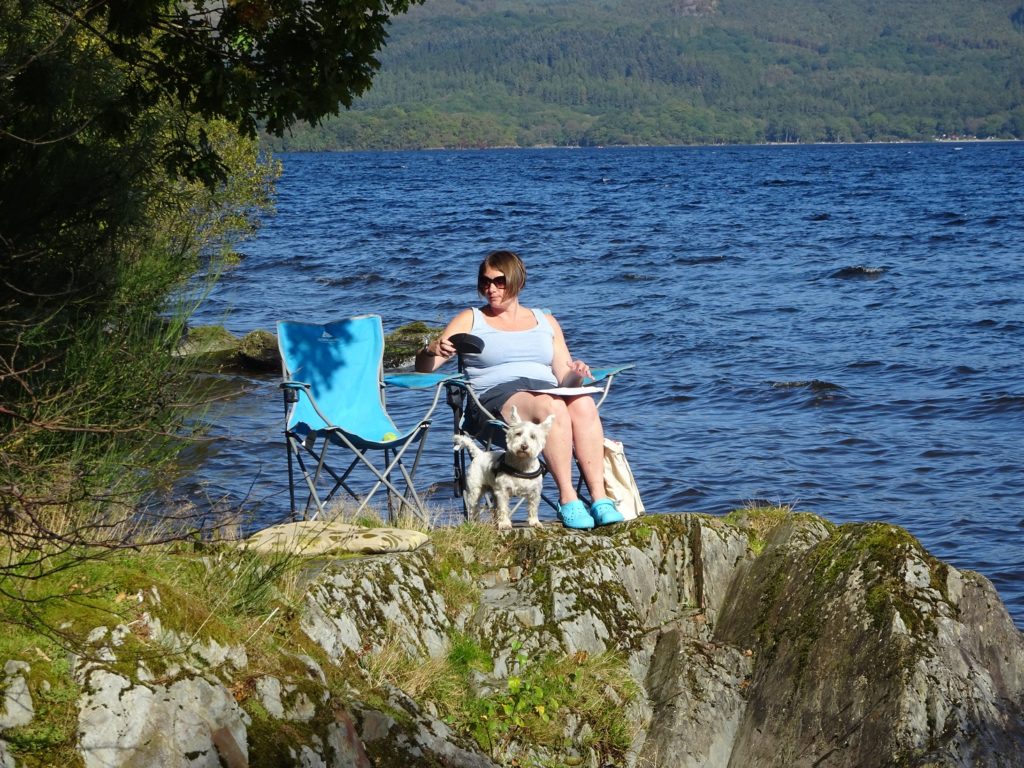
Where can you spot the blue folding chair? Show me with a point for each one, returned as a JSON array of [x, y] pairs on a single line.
[[473, 419], [333, 385]]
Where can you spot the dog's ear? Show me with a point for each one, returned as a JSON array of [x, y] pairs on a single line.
[[515, 416], [546, 424]]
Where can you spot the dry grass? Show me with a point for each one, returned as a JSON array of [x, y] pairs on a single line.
[[429, 678], [758, 519]]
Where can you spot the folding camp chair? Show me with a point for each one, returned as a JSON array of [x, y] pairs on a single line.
[[489, 430], [333, 389]]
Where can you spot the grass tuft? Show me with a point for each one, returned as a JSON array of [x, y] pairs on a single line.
[[758, 520]]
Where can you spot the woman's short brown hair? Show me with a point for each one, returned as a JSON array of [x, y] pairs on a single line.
[[510, 265]]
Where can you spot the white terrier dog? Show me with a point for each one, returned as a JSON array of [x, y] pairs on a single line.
[[512, 472]]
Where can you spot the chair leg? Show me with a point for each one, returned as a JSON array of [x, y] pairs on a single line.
[[291, 474], [398, 500], [459, 474], [320, 463], [393, 462], [459, 464], [312, 479], [383, 476], [415, 503], [409, 475], [339, 481], [298, 446]]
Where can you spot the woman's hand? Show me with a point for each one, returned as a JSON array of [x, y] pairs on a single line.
[[568, 372], [440, 350], [578, 371], [441, 347], [434, 354]]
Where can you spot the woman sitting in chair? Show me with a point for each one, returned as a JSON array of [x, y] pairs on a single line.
[[524, 351]]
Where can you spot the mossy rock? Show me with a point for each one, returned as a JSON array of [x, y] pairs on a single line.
[[209, 348], [402, 344], [214, 348], [205, 339], [258, 351]]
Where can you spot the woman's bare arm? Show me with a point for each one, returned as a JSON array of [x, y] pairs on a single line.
[[440, 350], [568, 372]]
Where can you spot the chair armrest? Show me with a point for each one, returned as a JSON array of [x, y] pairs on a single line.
[[409, 380], [607, 375], [599, 374], [418, 380], [463, 384], [291, 390]]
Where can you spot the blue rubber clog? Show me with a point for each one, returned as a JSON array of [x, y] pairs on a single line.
[[575, 515], [604, 512]]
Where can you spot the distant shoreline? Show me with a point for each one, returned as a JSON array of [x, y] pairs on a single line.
[[514, 147]]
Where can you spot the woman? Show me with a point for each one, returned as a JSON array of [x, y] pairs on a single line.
[[525, 351]]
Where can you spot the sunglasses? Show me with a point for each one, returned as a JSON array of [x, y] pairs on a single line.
[[486, 282]]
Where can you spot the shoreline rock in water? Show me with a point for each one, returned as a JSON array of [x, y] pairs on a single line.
[[214, 348], [750, 641]]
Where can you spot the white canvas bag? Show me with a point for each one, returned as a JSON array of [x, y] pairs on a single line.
[[618, 480]]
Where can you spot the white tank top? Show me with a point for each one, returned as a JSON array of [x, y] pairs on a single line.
[[510, 355]]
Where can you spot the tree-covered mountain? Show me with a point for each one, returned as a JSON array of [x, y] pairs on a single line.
[[600, 72]]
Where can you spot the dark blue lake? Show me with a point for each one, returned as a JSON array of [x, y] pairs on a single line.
[[839, 328]]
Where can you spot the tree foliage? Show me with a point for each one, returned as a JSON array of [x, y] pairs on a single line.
[[474, 72], [128, 159]]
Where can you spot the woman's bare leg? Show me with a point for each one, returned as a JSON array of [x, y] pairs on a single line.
[[588, 439]]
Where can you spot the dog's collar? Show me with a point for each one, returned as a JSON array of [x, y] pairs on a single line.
[[506, 469]]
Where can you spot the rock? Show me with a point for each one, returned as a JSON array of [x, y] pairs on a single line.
[[258, 351], [369, 603], [697, 698], [864, 657], [761, 641], [850, 644], [214, 654], [214, 348], [126, 725], [344, 740], [269, 690], [402, 344], [6, 758], [209, 347], [18, 708], [284, 702], [415, 739], [573, 593]]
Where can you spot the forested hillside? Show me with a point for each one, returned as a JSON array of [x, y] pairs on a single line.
[[601, 72]]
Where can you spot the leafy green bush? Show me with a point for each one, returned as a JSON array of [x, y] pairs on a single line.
[[128, 164], [91, 308], [538, 694]]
